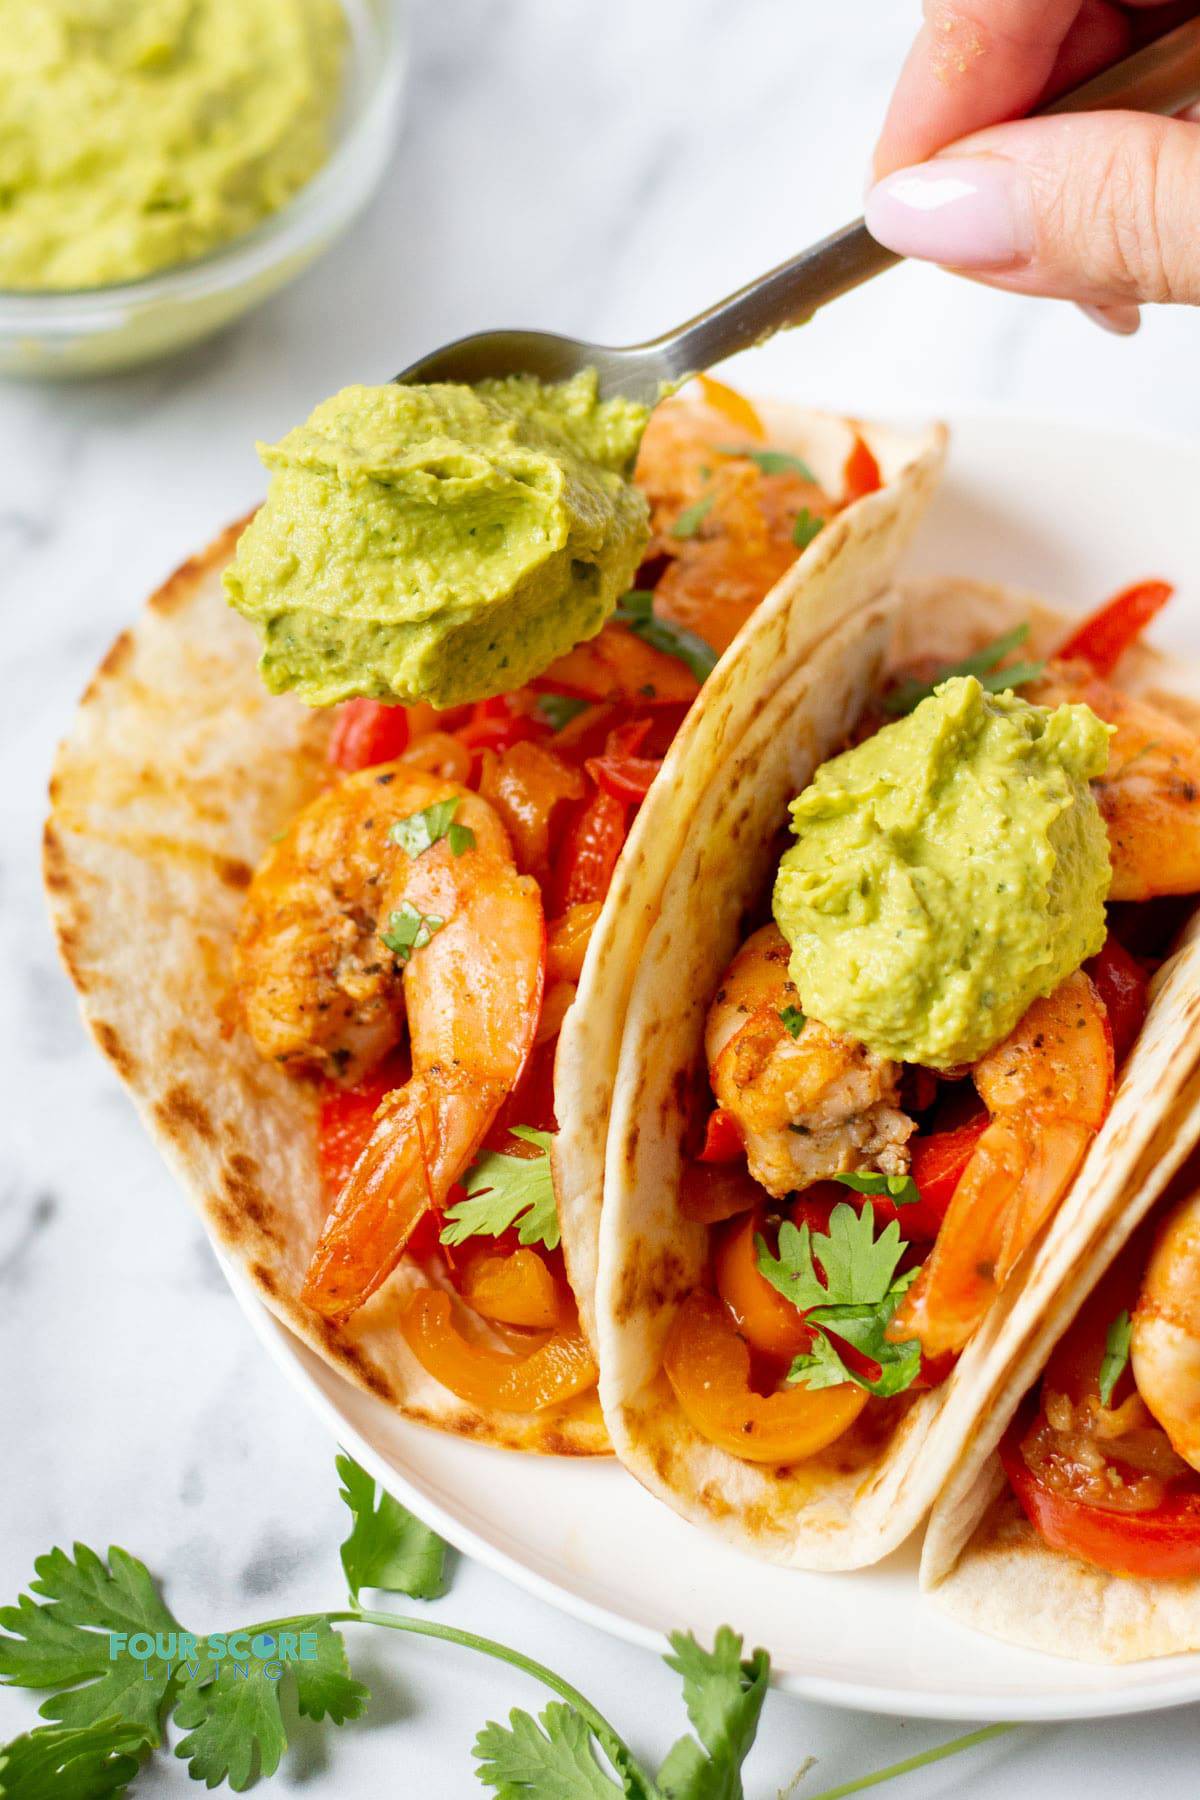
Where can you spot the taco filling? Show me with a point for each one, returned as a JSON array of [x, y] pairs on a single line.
[[414, 937], [908, 1064]]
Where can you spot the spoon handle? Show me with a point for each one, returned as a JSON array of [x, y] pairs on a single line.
[[1162, 77]]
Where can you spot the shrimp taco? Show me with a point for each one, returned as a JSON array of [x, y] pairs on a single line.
[[863, 1077], [330, 952], [1071, 1523]]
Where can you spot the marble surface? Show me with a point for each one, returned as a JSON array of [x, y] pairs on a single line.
[[604, 168]]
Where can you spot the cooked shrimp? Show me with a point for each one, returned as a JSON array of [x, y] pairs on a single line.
[[1047, 1088], [1150, 793], [810, 1105], [1165, 1343], [321, 990]]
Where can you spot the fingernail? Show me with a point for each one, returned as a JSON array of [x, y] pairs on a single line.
[[1122, 321], [971, 212]]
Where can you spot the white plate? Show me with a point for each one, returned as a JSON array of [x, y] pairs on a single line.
[[1073, 513]]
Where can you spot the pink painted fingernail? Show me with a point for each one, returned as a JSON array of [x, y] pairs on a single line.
[[1122, 321], [971, 212]]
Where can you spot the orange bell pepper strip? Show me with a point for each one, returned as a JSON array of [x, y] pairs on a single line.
[[711, 1192], [520, 1289], [617, 665], [708, 1367], [1106, 634], [736, 408], [763, 1316], [558, 1369], [567, 940]]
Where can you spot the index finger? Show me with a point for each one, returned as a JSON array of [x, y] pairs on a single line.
[[980, 62]]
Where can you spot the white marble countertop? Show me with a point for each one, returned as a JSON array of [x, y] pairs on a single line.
[[604, 168]]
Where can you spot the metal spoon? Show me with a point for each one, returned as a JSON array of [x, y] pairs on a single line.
[[1163, 77]]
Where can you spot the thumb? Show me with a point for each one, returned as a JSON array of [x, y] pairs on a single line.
[[1103, 208]]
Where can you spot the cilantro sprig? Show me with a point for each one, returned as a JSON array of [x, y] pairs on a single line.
[[503, 1191], [982, 663], [850, 1299], [692, 517], [771, 462], [559, 709], [235, 1728], [1117, 1340], [636, 609], [806, 527], [792, 1020]]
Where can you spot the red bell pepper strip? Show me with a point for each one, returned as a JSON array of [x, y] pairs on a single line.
[[1104, 636], [1122, 984], [621, 772], [589, 854], [366, 732], [861, 473], [722, 1138]]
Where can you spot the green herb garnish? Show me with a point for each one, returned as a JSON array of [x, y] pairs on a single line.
[[792, 1020], [636, 609], [559, 709], [1116, 1355], [854, 1303], [422, 830], [410, 930], [806, 528], [692, 517], [110, 1718], [771, 462], [503, 1191], [901, 1190], [981, 663]]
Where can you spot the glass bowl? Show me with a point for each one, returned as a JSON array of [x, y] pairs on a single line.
[[92, 331]]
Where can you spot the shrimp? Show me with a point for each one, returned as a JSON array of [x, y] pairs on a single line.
[[321, 991], [809, 1105], [1149, 795], [1047, 1086], [1165, 1341]]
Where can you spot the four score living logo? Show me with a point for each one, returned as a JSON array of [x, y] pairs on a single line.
[[241, 1654]]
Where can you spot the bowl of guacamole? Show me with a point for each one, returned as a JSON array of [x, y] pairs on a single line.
[[166, 164]]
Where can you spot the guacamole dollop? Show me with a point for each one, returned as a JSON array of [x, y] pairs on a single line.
[[142, 133], [946, 873], [442, 542]]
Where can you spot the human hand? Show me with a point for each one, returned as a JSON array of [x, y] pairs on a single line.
[[1101, 208]]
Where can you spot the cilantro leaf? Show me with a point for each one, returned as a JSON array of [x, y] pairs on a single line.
[[792, 1020], [420, 831], [692, 517], [64, 1643], [855, 1303], [771, 462], [901, 1190], [559, 709], [636, 609], [981, 663], [806, 527], [1116, 1355], [410, 930], [864, 1328], [232, 1714], [388, 1546], [552, 1757], [84, 1762], [724, 1697], [508, 1190]]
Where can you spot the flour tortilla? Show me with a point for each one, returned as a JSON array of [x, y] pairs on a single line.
[[848, 564], [983, 1561], [862, 1497], [178, 772]]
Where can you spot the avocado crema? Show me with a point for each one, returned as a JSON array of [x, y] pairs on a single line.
[[138, 134], [946, 873], [443, 542]]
